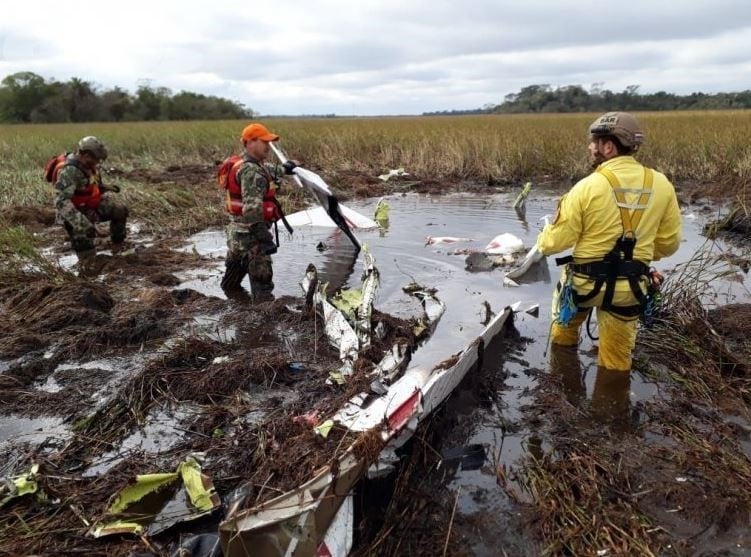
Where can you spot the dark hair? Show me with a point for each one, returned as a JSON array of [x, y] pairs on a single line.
[[620, 147]]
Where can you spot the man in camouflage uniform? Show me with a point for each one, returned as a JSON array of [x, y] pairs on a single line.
[[249, 240], [82, 200]]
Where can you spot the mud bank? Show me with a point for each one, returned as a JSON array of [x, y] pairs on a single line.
[[132, 372]]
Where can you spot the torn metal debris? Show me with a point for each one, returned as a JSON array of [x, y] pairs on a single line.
[[315, 518], [20, 485], [139, 512]]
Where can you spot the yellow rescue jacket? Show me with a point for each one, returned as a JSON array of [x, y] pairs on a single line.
[[589, 220]]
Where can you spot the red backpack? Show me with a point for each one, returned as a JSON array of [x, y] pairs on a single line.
[[88, 199], [227, 179], [53, 167]]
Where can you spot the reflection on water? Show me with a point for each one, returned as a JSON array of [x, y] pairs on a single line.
[[611, 399], [566, 366], [402, 257], [610, 403]]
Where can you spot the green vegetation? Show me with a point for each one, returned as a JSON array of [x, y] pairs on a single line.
[[574, 98], [28, 97], [166, 169], [705, 146]]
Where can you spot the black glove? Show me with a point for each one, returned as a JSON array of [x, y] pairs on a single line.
[[268, 247], [289, 166]]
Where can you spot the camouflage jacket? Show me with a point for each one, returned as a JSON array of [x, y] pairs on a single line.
[[71, 181], [254, 183]]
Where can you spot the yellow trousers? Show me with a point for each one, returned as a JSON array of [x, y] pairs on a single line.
[[617, 338]]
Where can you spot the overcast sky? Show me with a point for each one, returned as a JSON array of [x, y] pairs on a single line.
[[381, 56]]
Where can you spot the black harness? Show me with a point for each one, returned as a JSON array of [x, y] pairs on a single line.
[[618, 263]]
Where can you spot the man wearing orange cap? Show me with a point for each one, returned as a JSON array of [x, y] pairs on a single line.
[[251, 202]]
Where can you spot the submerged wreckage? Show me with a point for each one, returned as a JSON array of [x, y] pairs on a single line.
[[317, 518], [377, 403]]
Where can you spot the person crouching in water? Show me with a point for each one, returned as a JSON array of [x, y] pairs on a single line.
[[251, 203], [82, 200]]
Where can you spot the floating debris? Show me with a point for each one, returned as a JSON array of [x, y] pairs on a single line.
[[504, 244], [437, 240], [393, 173]]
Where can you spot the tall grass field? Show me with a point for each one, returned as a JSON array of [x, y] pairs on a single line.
[[711, 147]]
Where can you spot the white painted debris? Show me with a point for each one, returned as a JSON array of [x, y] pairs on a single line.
[[299, 522], [504, 244], [370, 283], [511, 283], [348, 336], [394, 172], [220, 360], [339, 537], [319, 217], [311, 181], [533, 256], [389, 365], [418, 391], [516, 306], [436, 240], [340, 333]]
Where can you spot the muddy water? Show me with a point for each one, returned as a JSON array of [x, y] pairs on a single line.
[[402, 256]]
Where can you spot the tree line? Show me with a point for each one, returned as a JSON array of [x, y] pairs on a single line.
[[28, 97], [575, 98]]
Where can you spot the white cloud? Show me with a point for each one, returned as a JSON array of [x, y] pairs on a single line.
[[382, 56]]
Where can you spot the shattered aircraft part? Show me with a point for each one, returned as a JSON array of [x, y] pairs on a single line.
[[318, 216], [437, 240], [348, 336], [339, 537], [370, 283], [340, 333], [521, 199], [509, 282], [504, 244], [391, 363], [391, 173], [532, 257], [298, 522], [134, 520], [419, 387], [321, 191]]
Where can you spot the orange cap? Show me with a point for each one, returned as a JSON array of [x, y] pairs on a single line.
[[258, 131]]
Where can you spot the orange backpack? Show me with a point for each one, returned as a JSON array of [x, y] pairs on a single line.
[[88, 199], [227, 179], [53, 167]]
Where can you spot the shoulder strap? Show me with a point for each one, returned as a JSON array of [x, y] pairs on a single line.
[[69, 161], [631, 213], [261, 168], [236, 166]]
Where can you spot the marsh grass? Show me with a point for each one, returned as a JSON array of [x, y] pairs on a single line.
[[688, 146]]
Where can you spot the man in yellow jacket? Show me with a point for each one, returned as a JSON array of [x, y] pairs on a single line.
[[618, 220]]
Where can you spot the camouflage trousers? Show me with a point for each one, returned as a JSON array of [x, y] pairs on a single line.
[[81, 224], [249, 252]]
